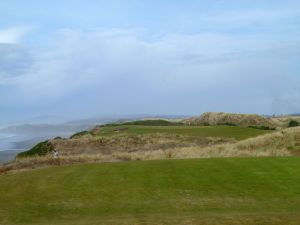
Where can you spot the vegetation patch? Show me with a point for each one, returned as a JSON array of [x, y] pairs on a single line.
[[79, 134], [153, 123], [294, 123], [263, 127], [146, 123], [41, 149]]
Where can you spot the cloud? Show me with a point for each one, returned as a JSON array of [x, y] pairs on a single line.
[[14, 61], [109, 70], [15, 58], [82, 59], [251, 17], [13, 34]]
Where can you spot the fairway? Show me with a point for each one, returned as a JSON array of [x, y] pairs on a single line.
[[217, 191], [236, 132]]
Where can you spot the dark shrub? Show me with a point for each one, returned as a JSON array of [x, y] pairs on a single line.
[[146, 123], [205, 124], [42, 148], [294, 123], [228, 124], [262, 127], [152, 123], [79, 134]]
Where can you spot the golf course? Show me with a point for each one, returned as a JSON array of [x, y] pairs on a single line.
[[157, 172], [140, 112]]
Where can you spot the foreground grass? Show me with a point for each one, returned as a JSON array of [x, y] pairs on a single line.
[[235, 132], [204, 191]]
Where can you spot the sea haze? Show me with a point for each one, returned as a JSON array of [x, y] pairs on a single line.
[[21, 137], [26, 135]]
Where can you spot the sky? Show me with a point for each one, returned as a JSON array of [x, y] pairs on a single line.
[[85, 58]]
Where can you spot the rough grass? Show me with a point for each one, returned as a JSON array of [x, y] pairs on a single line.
[[281, 143], [232, 191], [131, 143]]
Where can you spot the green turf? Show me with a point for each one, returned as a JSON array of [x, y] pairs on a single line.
[[204, 191], [235, 132]]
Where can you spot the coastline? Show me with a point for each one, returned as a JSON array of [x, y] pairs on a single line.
[[7, 155]]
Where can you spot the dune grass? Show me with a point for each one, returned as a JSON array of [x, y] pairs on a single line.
[[235, 132], [216, 191]]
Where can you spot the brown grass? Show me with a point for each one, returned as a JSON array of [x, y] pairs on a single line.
[[281, 143], [130, 143]]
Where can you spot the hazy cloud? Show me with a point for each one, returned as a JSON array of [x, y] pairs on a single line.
[[80, 60], [14, 61], [226, 62], [13, 34]]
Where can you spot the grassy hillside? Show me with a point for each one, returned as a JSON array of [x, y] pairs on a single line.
[[240, 191], [112, 138], [219, 118]]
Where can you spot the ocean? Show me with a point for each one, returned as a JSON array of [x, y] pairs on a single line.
[[10, 147], [8, 155]]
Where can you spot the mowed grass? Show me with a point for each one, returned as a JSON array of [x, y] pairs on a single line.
[[217, 191], [236, 132]]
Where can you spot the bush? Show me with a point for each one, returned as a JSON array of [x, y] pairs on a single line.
[[262, 127], [152, 123], [205, 124], [79, 134], [42, 148], [58, 138], [145, 123], [228, 124], [294, 123]]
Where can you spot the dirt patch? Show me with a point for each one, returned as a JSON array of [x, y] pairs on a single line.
[[118, 130]]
